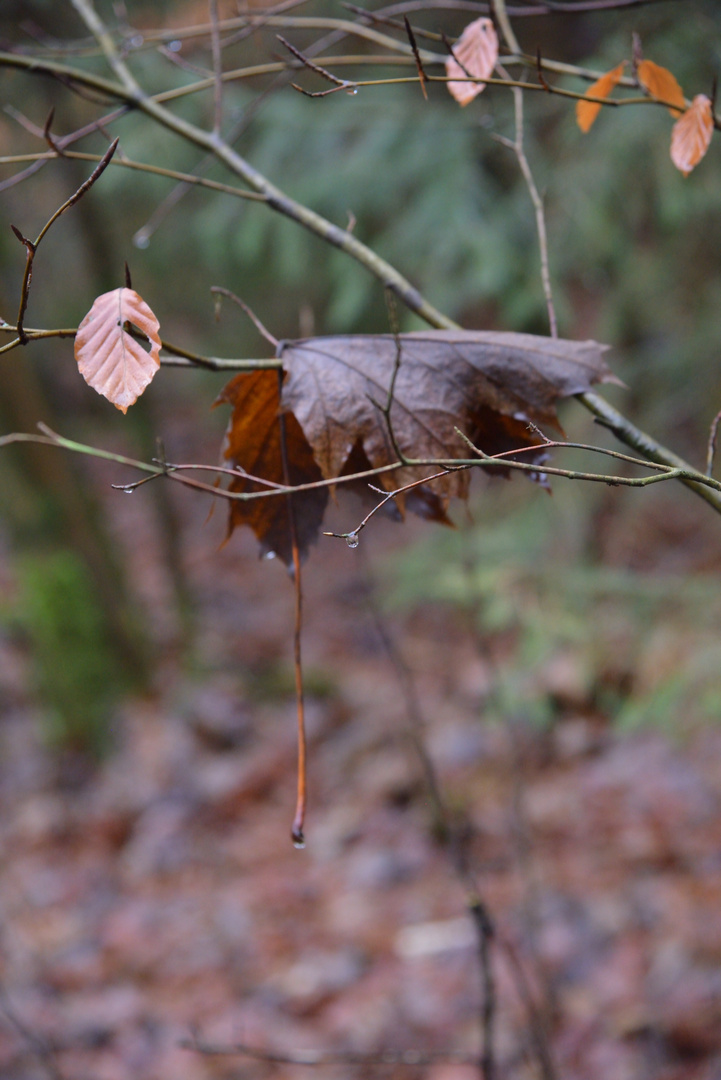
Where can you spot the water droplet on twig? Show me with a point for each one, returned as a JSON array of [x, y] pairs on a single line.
[[352, 540]]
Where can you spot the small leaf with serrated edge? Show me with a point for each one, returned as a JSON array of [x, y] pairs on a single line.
[[661, 84], [109, 358], [691, 134], [587, 111], [477, 51]]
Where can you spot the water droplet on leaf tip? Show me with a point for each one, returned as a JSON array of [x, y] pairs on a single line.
[[141, 240], [352, 540]]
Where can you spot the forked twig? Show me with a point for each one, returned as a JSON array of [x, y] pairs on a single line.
[[711, 448], [338, 84], [351, 537], [31, 246], [219, 290]]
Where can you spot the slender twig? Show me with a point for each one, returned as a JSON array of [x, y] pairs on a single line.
[[219, 290], [501, 15], [352, 537], [485, 933], [297, 830], [138, 166], [49, 138], [498, 7], [176, 472], [306, 62], [79, 78], [217, 69], [518, 149], [31, 246], [711, 449], [179, 357], [387, 409], [417, 56]]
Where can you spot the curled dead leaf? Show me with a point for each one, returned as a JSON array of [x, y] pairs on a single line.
[[475, 54], [109, 358], [661, 84], [691, 134], [486, 385], [446, 384], [253, 444], [587, 111]]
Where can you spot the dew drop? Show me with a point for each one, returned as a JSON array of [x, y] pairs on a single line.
[[269, 555], [352, 90], [127, 491], [299, 844], [141, 239], [352, 540], [175, 46]]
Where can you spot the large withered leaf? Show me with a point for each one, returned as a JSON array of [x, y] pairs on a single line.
[[253, 443], [110, 360], [489, 385]]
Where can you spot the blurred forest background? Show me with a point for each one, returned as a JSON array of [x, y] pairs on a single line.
[[563, 651]]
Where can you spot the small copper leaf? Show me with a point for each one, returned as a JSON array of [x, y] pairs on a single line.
[[587, 111], [661, 84]]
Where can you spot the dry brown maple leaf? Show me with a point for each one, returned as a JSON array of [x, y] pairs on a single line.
[[109, 358], [587, 111], [253, 443], [691, 134], [661, 84], [477, 51], [335, 389], [488, 385]]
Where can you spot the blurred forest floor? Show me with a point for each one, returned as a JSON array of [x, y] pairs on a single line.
[[158, 896]]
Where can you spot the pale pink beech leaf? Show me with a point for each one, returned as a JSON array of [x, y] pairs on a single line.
[[477, 50], [109, 358], [691, 134]]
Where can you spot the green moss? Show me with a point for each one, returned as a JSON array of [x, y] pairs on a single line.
[[77, 675]]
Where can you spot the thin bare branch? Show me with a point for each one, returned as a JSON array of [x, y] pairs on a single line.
[[417, 56], [297, 829], [217, 69], [31, 246], [711, 448], [219, 290]]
